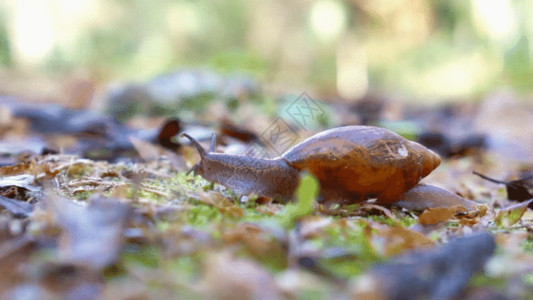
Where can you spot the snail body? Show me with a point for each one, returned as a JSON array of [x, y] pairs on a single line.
[[353, 163]]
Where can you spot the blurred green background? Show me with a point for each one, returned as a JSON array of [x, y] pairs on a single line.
[[423, 50]]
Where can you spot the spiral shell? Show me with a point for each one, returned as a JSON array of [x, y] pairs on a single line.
[[363, 162]]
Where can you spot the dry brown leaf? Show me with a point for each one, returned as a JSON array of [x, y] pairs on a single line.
[[384, 210], [436, 215], [313, 226], [228, 277], [20, 168], [511, 214], [270, 208], [394, 240], [257, 241], [224, 204]]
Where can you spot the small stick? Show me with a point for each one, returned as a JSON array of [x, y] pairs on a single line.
[[488, 178]]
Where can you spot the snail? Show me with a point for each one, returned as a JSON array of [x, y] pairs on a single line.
[[352, 163]]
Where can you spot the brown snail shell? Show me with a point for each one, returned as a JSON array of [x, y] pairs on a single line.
[[364, 161]]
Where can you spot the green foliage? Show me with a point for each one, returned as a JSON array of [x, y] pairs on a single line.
[[5, 52], [407, 129], [187, 267], [519, 66], [306, 194], [139, 39], [202, 215], [144, 256], [482, 280], [405, 221], [312, 295], [84, 195], [528, 245], [358, 253], [238, 61]]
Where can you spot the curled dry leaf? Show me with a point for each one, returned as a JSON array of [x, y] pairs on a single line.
[[511, 214], [440, 214], [518, 190], [23, 181], [167, 132], [19, 187], [228, 128], [16, 169]]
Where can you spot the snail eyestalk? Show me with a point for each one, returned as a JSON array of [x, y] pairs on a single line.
[[197, 145], [201, 152], [213, 143]]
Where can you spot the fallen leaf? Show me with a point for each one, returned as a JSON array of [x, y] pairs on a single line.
[[16, 169], [223, 203], [19, 209], [167, 132], [228, 128], [229, 277], [511, 214], [23, 181], [91, 234], [432, 216], [257, 240], [518, 190], [19, 187], [394, 240]]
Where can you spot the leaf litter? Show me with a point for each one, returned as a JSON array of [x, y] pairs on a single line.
[[134, 225]]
